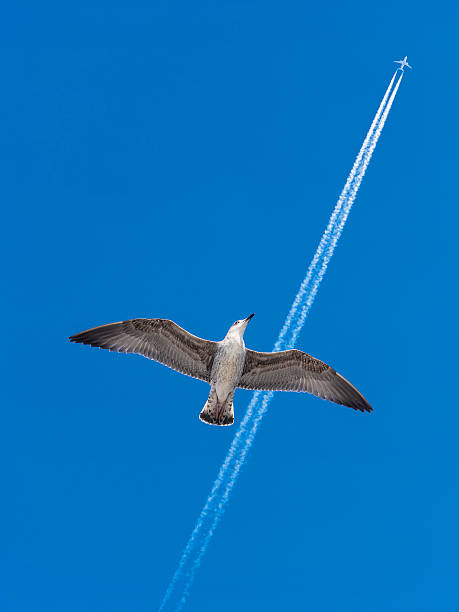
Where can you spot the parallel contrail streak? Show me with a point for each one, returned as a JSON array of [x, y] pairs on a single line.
[[335, 233], [240, 446], [326, 235]]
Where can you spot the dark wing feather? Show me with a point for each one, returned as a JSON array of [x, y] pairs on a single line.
[[297, 371], [158, 339]]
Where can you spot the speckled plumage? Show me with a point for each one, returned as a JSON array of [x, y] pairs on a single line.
[[225, 365]]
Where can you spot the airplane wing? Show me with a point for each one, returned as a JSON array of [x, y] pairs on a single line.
[[398, 61]]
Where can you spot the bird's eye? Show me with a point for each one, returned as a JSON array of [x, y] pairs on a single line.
[[235, 322]]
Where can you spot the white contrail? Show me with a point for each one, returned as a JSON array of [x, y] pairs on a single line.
[[236, 456], [326, 235], [335, 232]]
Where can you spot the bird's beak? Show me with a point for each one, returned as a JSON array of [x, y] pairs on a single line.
[[249, 317]]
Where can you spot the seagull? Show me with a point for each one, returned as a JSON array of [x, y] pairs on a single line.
[[225, 365]]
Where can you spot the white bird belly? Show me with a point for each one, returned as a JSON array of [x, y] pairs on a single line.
[[227, 369]]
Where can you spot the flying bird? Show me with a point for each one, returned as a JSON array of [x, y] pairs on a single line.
[[225, 365]]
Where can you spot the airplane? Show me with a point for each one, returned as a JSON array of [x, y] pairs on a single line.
[[402, 63]]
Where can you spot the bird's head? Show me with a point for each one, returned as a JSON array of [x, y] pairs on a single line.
[[237, 329]]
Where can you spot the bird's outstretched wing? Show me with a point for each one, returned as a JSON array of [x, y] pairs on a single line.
[[158, 339], [297, 371]]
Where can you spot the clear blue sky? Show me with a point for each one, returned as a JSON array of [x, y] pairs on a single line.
[[180, 160]]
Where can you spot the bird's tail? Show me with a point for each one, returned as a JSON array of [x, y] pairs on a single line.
[[218, 413]]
